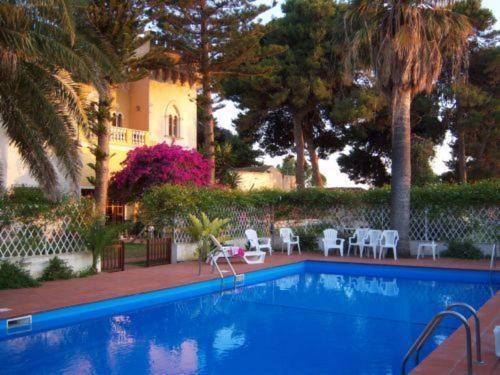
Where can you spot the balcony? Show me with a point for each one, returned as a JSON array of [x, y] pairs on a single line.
[[120, 137], [128, 137]]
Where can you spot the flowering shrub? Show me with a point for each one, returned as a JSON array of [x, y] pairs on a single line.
[[155, 165]]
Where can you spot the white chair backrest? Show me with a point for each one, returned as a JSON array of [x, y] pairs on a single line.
[[252, 237], [215, 241], [330, 234], [286, 234], [373, 236], [361, 234], [389, 237]]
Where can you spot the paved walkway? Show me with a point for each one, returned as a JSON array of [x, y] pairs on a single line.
[[449, 358]]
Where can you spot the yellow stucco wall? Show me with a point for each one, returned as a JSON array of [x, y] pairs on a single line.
[[176, 99], [138, 104], [269, 179], [118, 154]]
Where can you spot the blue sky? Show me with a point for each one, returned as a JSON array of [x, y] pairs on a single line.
[[330, 167]]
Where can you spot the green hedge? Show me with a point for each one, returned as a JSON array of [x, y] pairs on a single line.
[[28, 204], [162, 203]]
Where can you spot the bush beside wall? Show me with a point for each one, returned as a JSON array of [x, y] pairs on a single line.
[[57, 269], [13, 276], [160, 204], [462, 250]]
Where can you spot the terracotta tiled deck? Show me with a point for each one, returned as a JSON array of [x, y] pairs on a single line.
[[449, 358]]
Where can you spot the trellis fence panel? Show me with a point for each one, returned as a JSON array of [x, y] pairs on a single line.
[[478, 224], [58, 236], [260, 219]]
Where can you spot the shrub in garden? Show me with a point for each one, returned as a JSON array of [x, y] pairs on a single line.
[[98, 235], [200, 229], [57, 270], [89, 271], [162, 202], [309, 236], [13, 276], [462, 250], [148, 166]]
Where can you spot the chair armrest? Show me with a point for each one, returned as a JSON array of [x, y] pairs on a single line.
[[295, 238], [340, 241]]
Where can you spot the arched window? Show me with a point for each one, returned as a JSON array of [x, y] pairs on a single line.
[[117, 119], [172, 122], [170, 125], [175, 132]]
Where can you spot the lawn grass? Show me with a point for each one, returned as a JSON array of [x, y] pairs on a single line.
[[135, 250]]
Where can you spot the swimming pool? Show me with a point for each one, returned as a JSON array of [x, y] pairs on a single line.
[[305, 318]]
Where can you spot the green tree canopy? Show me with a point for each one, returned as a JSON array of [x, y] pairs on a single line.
[[282, 110]]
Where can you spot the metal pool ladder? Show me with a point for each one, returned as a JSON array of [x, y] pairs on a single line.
[[431, 326], [237, 277], [493, 262]]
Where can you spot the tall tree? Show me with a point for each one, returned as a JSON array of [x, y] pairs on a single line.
[[220, 38], [367, 159], [474, 120], [288, 101], [474, 111], [42, 54], [120, 25], [408, 41]]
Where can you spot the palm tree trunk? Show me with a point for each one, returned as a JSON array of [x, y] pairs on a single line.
[[298, 135], [401, 167], [313, 157], [462, 167], [102, 151]]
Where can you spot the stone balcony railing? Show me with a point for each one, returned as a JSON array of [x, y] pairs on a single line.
[[129, 137], [124, 137]]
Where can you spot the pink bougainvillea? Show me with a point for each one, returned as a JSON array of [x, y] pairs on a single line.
[[155, 165]]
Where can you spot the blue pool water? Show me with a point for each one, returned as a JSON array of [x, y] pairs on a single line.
[[312, 318]]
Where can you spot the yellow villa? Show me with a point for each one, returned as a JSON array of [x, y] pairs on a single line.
[[158, 108]]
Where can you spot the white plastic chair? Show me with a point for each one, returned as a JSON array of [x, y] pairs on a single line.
[[389, 240], [289, 239], [258, 243], [250, 257], [330, 241], [372, 241], [358, 239]]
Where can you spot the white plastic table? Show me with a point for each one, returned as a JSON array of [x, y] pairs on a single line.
[[432, 245]]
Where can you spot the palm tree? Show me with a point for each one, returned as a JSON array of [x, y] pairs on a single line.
[[407, 42], [40, 105]]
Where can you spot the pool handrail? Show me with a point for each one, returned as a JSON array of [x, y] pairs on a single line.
[[493, 262], [477, 326], [429, 328]]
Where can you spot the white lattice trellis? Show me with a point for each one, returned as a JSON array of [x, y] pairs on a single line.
[[478, 224], [59, 236], [240, 219]]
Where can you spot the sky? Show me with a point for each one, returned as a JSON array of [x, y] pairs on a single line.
[[329, 167]]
